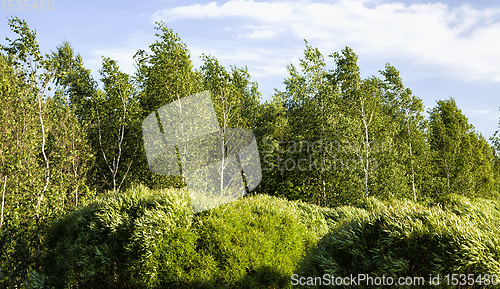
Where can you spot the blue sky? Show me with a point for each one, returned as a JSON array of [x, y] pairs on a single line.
[[442, 49]]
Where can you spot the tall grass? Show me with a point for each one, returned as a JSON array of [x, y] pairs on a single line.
[[457, 235], [151, 239]]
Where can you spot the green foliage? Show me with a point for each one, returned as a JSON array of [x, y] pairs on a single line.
[[495, 142], [404, 168], [115, 241], [257, 241], [305, 114], [43, 154], [163, 76], [21, 174], [357, 136], [64, 141], [167, 73], [144, 238], [476, 208], [407, 239], [115, 130], [234, 95], [68, 149], [73, 81], [23, 49], [273, 126], [462, 159]]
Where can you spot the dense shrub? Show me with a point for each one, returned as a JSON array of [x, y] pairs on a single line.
[[112, 243], [151, 239], [456, 235], [258, 241]]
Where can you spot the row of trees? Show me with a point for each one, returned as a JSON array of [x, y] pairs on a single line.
[[329, 138], [332, 137], [65, 140]]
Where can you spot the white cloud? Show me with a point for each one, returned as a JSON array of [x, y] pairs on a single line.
[[264, 61], [264, 11], [481, 111], [260, 34], [454, 42]]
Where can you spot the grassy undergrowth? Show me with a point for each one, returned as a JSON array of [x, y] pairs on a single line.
[[401, 239], [151, 239]]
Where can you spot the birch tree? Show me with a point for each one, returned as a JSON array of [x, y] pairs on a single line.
[[462, 158], [409, 125], [311, 111], [235, 98], [163, 76], [361, 111], [117, 118], [36, 154]]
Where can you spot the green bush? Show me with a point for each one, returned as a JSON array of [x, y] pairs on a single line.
[[151, 239], [408, 239], [113, 243], [257, 241]]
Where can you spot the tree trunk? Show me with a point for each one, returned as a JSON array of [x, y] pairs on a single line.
[[3, 201], [367, 161], [47, 171], [411, 165]]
